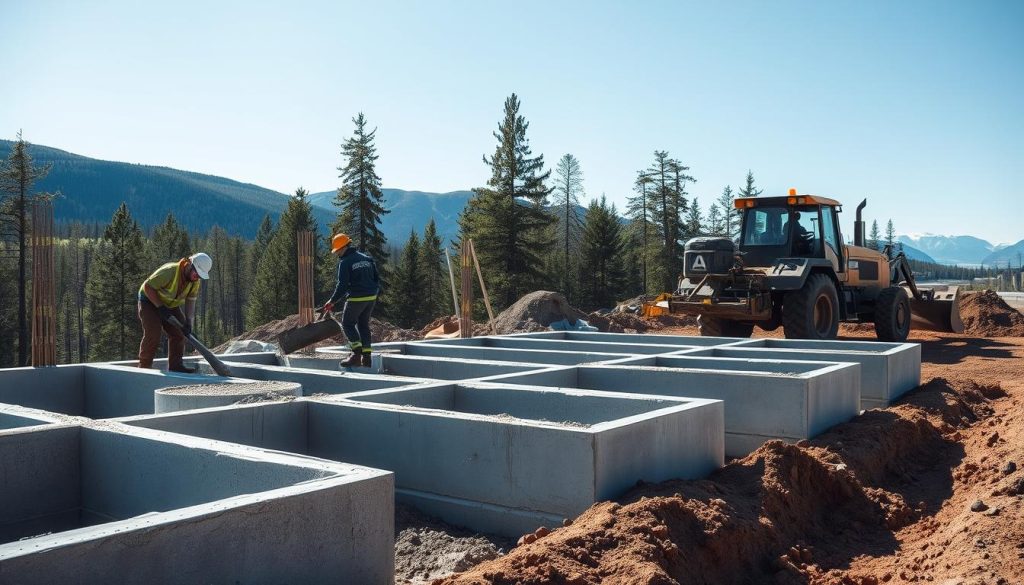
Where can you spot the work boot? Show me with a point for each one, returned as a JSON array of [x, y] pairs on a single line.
[[367, 362], [353, 360], [182, 369]]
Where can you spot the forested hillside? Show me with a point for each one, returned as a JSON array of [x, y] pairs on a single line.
[[91, 190]]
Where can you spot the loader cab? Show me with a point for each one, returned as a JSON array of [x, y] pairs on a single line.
[[798, 226]]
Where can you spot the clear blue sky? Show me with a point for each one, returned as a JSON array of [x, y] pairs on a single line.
[[915, 105]]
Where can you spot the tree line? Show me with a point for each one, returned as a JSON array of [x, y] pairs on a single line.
[[531, 231]]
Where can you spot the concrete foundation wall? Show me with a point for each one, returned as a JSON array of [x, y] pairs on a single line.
[[534, 469], [632, 338], [41, 479], [758, 406], [114, 391], [54, 388], [320, 382], [281, 426], [178, 511], [610, 346], [538, 356], [888, 370], [448, 368]]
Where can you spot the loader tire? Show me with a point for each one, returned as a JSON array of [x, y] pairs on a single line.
[[715, 327], [813, 311], [892, 314]]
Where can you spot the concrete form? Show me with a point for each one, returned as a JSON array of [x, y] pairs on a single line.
[[495, 458], [95, 391], [764, 399], [888, 370], [128, 505]]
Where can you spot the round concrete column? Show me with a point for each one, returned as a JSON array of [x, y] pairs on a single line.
[[194, 396]]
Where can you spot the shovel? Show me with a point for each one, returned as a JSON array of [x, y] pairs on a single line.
[[217, 365], [299, 337]]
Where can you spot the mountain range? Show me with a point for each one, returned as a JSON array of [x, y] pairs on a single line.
[[92, 189], [963, 250]]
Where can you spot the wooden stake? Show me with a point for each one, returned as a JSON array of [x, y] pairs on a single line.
[[466, 314], [451, 278], [483, 289]]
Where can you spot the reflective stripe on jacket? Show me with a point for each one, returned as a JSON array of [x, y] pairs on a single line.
[[170, 284]]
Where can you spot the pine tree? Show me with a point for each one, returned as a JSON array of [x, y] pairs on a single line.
[[875, 236], [748, 189], [170, 241], [639, 212], [17, 176], [566, 200], [506, 219], [275, 287], [669, 179], [694, 220], [435, 293], [116, 273], [359, 199], [601, 250], [727, 210], [408, 286], [715, 221], [890, 238]]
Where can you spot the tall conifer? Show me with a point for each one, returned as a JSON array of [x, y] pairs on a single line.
[[117, 272], [506, 219]]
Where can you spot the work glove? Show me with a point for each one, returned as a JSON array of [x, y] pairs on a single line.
[[165, 313], [329, 307]]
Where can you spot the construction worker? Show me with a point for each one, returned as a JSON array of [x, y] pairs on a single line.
[[358, 285], [162, 296]]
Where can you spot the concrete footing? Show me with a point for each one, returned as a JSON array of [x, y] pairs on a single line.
[[101, 505]]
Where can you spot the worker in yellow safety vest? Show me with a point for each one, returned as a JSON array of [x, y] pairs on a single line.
[[162, 296]]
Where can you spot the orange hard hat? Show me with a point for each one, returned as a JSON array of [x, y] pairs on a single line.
[[339, 241]]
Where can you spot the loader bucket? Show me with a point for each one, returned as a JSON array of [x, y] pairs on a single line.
[[938, 309]]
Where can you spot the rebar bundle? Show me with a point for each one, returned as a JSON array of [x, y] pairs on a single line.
[[305, 241], [44, 309]]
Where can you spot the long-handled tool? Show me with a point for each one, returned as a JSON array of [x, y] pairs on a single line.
[[217, 365], [325, 327]]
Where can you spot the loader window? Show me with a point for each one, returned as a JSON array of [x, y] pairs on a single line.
[[766, 226], [807, 232]]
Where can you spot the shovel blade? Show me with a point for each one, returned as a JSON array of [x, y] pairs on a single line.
[[939, 310], [300, 337]]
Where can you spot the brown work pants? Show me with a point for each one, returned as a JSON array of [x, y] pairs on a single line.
[[151, 327]]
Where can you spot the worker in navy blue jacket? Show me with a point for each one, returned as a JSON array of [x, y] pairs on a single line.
[[358, 285]]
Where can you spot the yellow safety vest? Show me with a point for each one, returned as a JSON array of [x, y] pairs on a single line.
[[170, 285]]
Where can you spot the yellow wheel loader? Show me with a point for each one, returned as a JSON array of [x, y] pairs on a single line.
[[791, 268]]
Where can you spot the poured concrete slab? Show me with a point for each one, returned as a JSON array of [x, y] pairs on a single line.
[[130, 505], [499, 459], [888, 370], [764, 399], [195, 396], [96, 391]]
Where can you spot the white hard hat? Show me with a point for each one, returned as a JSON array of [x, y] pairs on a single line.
[[202, 263]]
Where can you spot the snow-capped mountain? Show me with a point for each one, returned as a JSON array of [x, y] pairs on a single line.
[[951, 249]]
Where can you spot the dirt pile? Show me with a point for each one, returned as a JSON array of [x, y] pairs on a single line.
[[885, 498], [268, 332], [986, 314], [535, 312]]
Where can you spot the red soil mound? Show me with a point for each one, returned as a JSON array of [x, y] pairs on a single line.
[[986, 314]]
